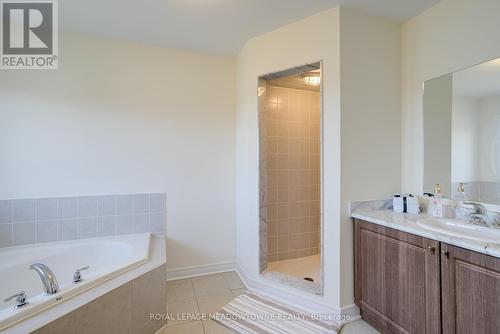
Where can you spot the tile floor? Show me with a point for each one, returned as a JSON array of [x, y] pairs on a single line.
[[200, 295], [207, 294]]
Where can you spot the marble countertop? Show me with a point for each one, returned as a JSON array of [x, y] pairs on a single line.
[[408, 223]]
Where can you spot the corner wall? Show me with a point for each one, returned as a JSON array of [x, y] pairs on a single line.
[[361, 134], [370, 98], [307, 41], [450, 36]]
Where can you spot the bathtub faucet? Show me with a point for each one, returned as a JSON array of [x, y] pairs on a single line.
[[48, 278]]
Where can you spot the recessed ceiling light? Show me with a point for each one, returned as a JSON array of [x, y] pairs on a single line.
[[261, 90]]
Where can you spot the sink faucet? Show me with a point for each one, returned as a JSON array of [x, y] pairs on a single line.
[[480, 209], [480, 215], [48, 278]]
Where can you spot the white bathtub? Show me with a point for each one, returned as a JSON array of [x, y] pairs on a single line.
[[107, 257]]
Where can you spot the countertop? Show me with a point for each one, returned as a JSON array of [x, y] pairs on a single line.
[[408, 223]]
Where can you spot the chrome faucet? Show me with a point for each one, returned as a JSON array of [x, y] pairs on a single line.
[[480, 215], [48, 278], [480, 209], [21, 299]]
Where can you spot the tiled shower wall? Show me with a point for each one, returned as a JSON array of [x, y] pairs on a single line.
[[29, 221], [293, 173]]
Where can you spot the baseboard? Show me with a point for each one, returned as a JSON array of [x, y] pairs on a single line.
[[295, 298], [205, 269], [279, 292], [351, 312], [161, 330], [286, 295]]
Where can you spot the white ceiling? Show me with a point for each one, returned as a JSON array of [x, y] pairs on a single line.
[[213, 26], [478, 81]]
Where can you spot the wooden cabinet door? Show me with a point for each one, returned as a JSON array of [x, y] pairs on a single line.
[[397, 280], [470, 284]]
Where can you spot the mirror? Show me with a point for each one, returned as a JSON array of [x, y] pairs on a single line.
[[462, 133]]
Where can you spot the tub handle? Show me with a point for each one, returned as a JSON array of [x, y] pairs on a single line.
[[21, 299], [77, 276]]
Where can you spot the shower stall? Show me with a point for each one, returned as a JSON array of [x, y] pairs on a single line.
[[290, 146]]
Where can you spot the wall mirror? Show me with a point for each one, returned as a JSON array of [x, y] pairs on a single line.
[[462, 133], [290, 185]]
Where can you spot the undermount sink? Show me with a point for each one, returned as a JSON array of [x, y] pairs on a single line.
[[461, 229]]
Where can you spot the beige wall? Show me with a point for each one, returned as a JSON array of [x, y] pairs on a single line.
[[370, 86], [128, 118], [464, 140], [306, 41], [438, 112], [489, 139], [361, 119], [452, 35], [293, 173]]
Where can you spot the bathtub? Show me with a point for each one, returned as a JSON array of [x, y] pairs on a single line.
[[107, 257]]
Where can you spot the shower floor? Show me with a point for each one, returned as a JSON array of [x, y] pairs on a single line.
[[292, 272], [307, 266]]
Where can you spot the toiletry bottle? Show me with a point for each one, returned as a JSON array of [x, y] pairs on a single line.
[[437, 209], [461, 193]]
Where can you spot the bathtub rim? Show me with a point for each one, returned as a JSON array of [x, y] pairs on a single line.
[[157, 258]]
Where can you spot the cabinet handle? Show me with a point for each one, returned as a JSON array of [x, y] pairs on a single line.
[[432, 249], [446, 254]]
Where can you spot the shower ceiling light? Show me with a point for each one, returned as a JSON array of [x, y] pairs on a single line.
[[261, 91], [312, 78]]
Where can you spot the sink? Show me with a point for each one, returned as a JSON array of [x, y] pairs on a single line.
[[461, 229]]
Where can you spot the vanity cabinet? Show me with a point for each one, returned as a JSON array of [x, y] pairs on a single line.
[[397, 279], [470, 287], [409, 284]]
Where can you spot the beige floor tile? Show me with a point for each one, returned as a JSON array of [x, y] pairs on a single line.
[[209, 285], [211, 303], [178, 290], [233, 280], [193, 327], [237, 292], [178, 311], [211, 327], [358, 327]]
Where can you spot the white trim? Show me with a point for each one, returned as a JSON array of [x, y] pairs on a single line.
[[205, 269], [163, 328], [351, 311], [287, 295], [301, 300]]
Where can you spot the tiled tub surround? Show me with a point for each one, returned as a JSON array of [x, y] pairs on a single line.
[[122, 304], [381, 213], [28, 221], [293, 173], [123, 310], [105, 257]]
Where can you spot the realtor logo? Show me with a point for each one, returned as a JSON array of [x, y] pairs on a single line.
[[29, 34]]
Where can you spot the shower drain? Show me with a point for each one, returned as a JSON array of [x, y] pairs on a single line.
[[309, 279]]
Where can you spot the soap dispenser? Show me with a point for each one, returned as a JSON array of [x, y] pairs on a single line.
[[461, 192], [437, 209]]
